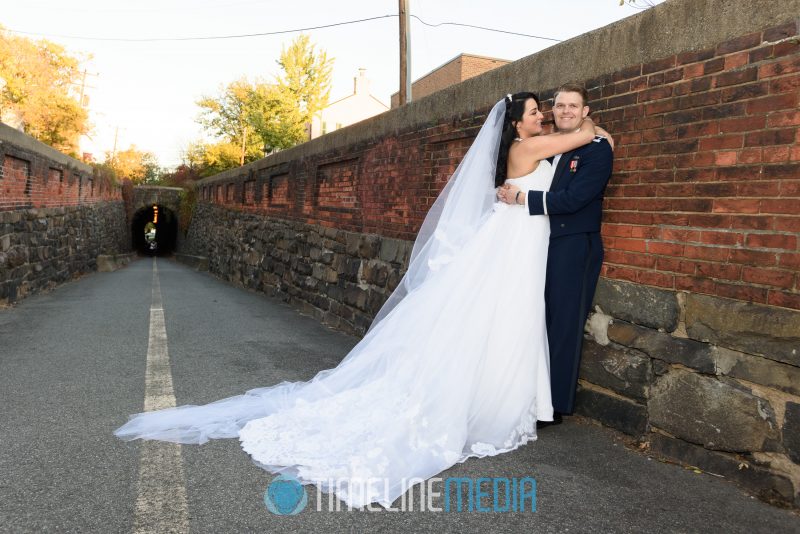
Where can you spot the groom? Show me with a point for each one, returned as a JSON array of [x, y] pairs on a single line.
[[574, 205]]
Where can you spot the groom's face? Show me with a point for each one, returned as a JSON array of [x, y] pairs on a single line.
[[569, 110]]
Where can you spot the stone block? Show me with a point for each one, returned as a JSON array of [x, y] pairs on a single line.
[[304, 268], [375, 300], [355, 296], [624, 371], [326, 256], [404, 253], [251, 257], [389, 249], [766, 484], [11, 217], [17, 255], [393, 279], [621, 414], [313, 238], [351, 269], [352, 242], [309, 282], [374, 272], [714, 413], [369, 246], [331, 276], [341, 310], [664, 346], [643, 305], [791, 431], [757, 369], [369, 271], [660, 367], [754, 328]]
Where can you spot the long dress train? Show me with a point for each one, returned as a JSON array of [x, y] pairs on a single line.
[[458, 369]]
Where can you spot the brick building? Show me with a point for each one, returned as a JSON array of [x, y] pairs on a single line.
[[460, 68]]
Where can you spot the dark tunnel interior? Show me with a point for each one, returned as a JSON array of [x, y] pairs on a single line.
[[155, 231]]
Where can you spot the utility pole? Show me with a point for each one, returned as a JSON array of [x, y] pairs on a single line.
[[83, 87], [244, 139], [405, 53], [114, 150], [82, 99]]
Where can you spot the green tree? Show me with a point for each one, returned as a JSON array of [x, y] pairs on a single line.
[[229, 117], [251, 118], [301, 91], [36, 89]]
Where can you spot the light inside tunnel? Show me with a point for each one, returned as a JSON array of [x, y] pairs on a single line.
[[154, 230]]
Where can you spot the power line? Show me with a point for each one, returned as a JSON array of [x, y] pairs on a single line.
[[484, 28], [208, 38], [279, 32]]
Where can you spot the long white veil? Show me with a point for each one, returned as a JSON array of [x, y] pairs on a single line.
[[457, 213]]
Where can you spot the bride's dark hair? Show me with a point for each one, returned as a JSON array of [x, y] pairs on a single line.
[[515, 107]]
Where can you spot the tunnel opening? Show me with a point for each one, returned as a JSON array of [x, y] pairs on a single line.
[[154, 231]]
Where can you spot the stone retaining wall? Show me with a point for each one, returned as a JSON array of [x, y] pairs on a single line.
[[711, 381], [341, 278], [55, 218], [41, 248]]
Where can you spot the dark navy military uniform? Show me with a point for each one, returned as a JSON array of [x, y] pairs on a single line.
[[574, 204]]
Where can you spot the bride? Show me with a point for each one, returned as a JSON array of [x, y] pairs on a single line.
[[437, 379]]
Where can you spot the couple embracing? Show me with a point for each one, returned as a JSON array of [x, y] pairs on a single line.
[[480, 340]]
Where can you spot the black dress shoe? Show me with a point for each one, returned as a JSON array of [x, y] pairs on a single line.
[[557, 420]]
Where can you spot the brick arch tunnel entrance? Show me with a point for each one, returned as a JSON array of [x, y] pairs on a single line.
[[155, 230]]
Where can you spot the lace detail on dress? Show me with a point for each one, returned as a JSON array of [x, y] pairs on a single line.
[[525, 432], [304, 435]]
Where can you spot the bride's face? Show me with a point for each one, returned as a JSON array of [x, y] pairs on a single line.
[[531, 122]]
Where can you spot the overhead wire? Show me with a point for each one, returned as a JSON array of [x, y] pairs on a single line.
[[277, 32]]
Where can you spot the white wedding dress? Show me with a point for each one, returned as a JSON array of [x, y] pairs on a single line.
[[459, 368]]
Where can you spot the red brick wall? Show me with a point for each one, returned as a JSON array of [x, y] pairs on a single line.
[[704, 195], [32, 180], [705, 191]]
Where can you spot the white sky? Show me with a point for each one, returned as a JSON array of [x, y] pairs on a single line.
[[148, 89]]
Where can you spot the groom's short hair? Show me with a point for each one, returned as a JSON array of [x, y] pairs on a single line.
[[573, 88]]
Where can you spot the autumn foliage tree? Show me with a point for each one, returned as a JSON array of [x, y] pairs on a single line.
[[37, 80], [138, 166]]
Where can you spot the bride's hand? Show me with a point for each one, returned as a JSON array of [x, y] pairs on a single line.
[[602, 133], [508, 193]]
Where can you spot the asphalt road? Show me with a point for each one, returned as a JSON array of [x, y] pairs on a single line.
[[72, 366]]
